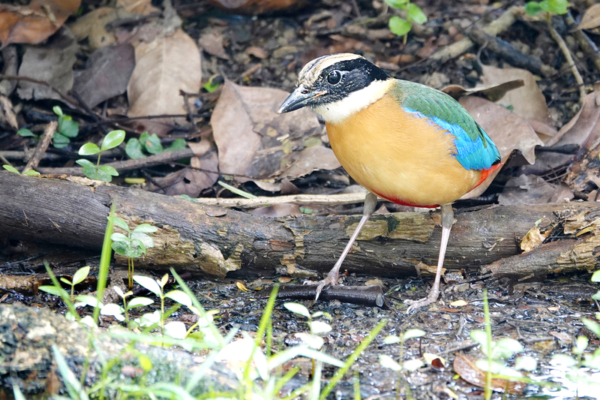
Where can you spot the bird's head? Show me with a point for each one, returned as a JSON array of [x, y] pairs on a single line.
[[336, 86]]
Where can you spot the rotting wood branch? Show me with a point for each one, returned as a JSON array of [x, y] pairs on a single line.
[[204, 239]]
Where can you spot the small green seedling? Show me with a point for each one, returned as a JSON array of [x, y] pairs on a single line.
[[316, 327], [400, 26], [67, 129], [97, 171], [117, 311], [409, 365], [12, 169], [78, 277], [132, 245], [557, 7], [213, 83], [151, 144]]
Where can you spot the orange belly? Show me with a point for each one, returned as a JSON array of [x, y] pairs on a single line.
[[400, 157]]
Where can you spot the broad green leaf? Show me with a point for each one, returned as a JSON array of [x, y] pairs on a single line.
[[53, 290], [120, 247], [139, 302], [297, 308], [145, 228], [592, 326], [10, 168], [533, 8], [177, 145], [136, 247], [596, 276], [210, 86], [413, 365], [88, 300], [526, 363], [134, 149], [65, 280], [119, 237], [60, 140], [596, 296], [81, 274], [558, 7], [175, 329], [505, 348], [145, 240], [391, 340], [416, 14], [121, 223], [68, 127], [180, 297], [31, 173], [151, 143], [89, 149], [113, 310], [97, 173], [58, 111], [317, 327], [148, 283], [564, 360], [413, 333], [399, 26], [85, 163], [107, 169], [24, 132], [397, 3], [389, 363], [313, 341], [113, 139], [480, 337], [580, 345], [119, 291]]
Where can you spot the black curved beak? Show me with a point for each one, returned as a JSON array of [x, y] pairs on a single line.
[[300, 97]]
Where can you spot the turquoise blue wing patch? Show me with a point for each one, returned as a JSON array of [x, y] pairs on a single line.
[[476, 153]]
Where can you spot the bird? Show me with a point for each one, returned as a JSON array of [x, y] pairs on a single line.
[[403, 141]]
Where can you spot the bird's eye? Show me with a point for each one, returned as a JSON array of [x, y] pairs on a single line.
[[334, 77]]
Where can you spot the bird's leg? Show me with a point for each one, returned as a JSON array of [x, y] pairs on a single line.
[[333, 275], [447, 220]]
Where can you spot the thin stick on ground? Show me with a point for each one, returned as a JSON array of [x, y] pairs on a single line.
[[567, 53], [42, 146]]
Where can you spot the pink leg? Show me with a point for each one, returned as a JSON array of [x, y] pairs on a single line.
[[447, 220], [334, 275]]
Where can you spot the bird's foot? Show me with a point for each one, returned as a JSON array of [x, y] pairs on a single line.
[[330, 280], [414, 305]]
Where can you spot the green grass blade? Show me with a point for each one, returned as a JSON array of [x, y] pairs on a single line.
[[104, 262]]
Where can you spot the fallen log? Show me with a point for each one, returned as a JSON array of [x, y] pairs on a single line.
[[216, 241]]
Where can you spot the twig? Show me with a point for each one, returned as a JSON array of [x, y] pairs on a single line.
[[565, 50], [42, 146], [71, 101], [510, 53], [325, 199], [585, 43], [368, 296], [128, 165], [462, 46]]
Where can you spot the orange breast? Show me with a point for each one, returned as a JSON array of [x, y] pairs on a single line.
[[399, 156]]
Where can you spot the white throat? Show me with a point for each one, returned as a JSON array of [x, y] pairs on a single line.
[[338, 111]]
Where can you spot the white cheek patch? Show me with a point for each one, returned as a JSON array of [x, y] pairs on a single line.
[[338, 111]]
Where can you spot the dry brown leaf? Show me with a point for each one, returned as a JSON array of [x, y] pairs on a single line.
[[211, 41], [466, 368], [36, 22], [493, 92], [108, 74], [189, 181], [531, 189], [52, 63], [142, 7], [257, 52], [528, 101], [258, 6], [252, 138], [163, 68], [8, 119], [591, 18], [312, 159], [93, 26], [506, 129], [533, 239]]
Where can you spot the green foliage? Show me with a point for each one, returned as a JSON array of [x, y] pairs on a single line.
[[211, 85], [132, 245], [12, 169], [401, 26], [96, 171], [67, 129], [151, 144], [78, 277], [24, 132], [557, 7]]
